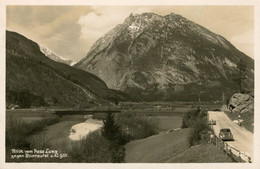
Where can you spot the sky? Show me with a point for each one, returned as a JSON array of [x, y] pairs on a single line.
[[71, 30]]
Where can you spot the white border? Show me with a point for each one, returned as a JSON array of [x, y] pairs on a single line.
[[3, 3]]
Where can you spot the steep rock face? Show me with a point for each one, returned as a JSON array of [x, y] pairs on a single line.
[[54, 56], [241, 103], [157, 57], [32, 79]]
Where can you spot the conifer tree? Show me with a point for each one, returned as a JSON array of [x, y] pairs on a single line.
[[112, 132]]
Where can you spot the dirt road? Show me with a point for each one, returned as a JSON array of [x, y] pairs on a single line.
[[243, 139]]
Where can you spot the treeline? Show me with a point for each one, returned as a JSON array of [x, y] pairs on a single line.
[[72, 75], [135, 126], [23, 98]]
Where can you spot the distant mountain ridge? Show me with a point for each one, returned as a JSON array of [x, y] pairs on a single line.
[[155, 57], [34, 80], [54, 56]]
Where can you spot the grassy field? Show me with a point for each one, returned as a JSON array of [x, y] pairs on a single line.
[[204, 153], [172, 147], [158, 148], [166, 123]]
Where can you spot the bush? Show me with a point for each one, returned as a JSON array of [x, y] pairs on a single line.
[[136, 127], [198, 130], [117, 152], [17, 131], [40, 141], [190, 117], [93, 148], [197, 121]]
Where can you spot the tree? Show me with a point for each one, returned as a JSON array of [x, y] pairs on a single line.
[[112, 132], [116, 102], [202, 81], [24, 98], [110, 129], [240, 75]]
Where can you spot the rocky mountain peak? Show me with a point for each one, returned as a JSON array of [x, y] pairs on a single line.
[[153, 55], [54, 56]]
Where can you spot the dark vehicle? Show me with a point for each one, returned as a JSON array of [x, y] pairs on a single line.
[[226, 135]]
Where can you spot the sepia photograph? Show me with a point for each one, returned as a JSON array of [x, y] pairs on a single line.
[[132, 84]]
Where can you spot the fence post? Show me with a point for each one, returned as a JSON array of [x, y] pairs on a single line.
[[219, 142], [239, 156], [249, 159], [230, 152], [226, 147]]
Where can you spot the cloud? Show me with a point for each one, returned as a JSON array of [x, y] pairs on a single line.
[[244, 41], [244, 38], [102, 19], [94, 25], [54, 26], [71, 30]]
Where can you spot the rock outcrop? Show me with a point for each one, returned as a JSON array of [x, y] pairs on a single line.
[[241, 103]]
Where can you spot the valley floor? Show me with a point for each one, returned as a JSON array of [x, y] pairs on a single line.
[[169, 146]]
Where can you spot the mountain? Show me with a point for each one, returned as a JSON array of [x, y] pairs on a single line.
[[33, 80], [54, 56], [155, 57]]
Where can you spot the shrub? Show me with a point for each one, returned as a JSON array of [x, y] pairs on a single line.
[[197, 132], [40, 141], [93, 148], [117, 153], [190, 117], [136, 127], [197, 121], [15, 133]]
